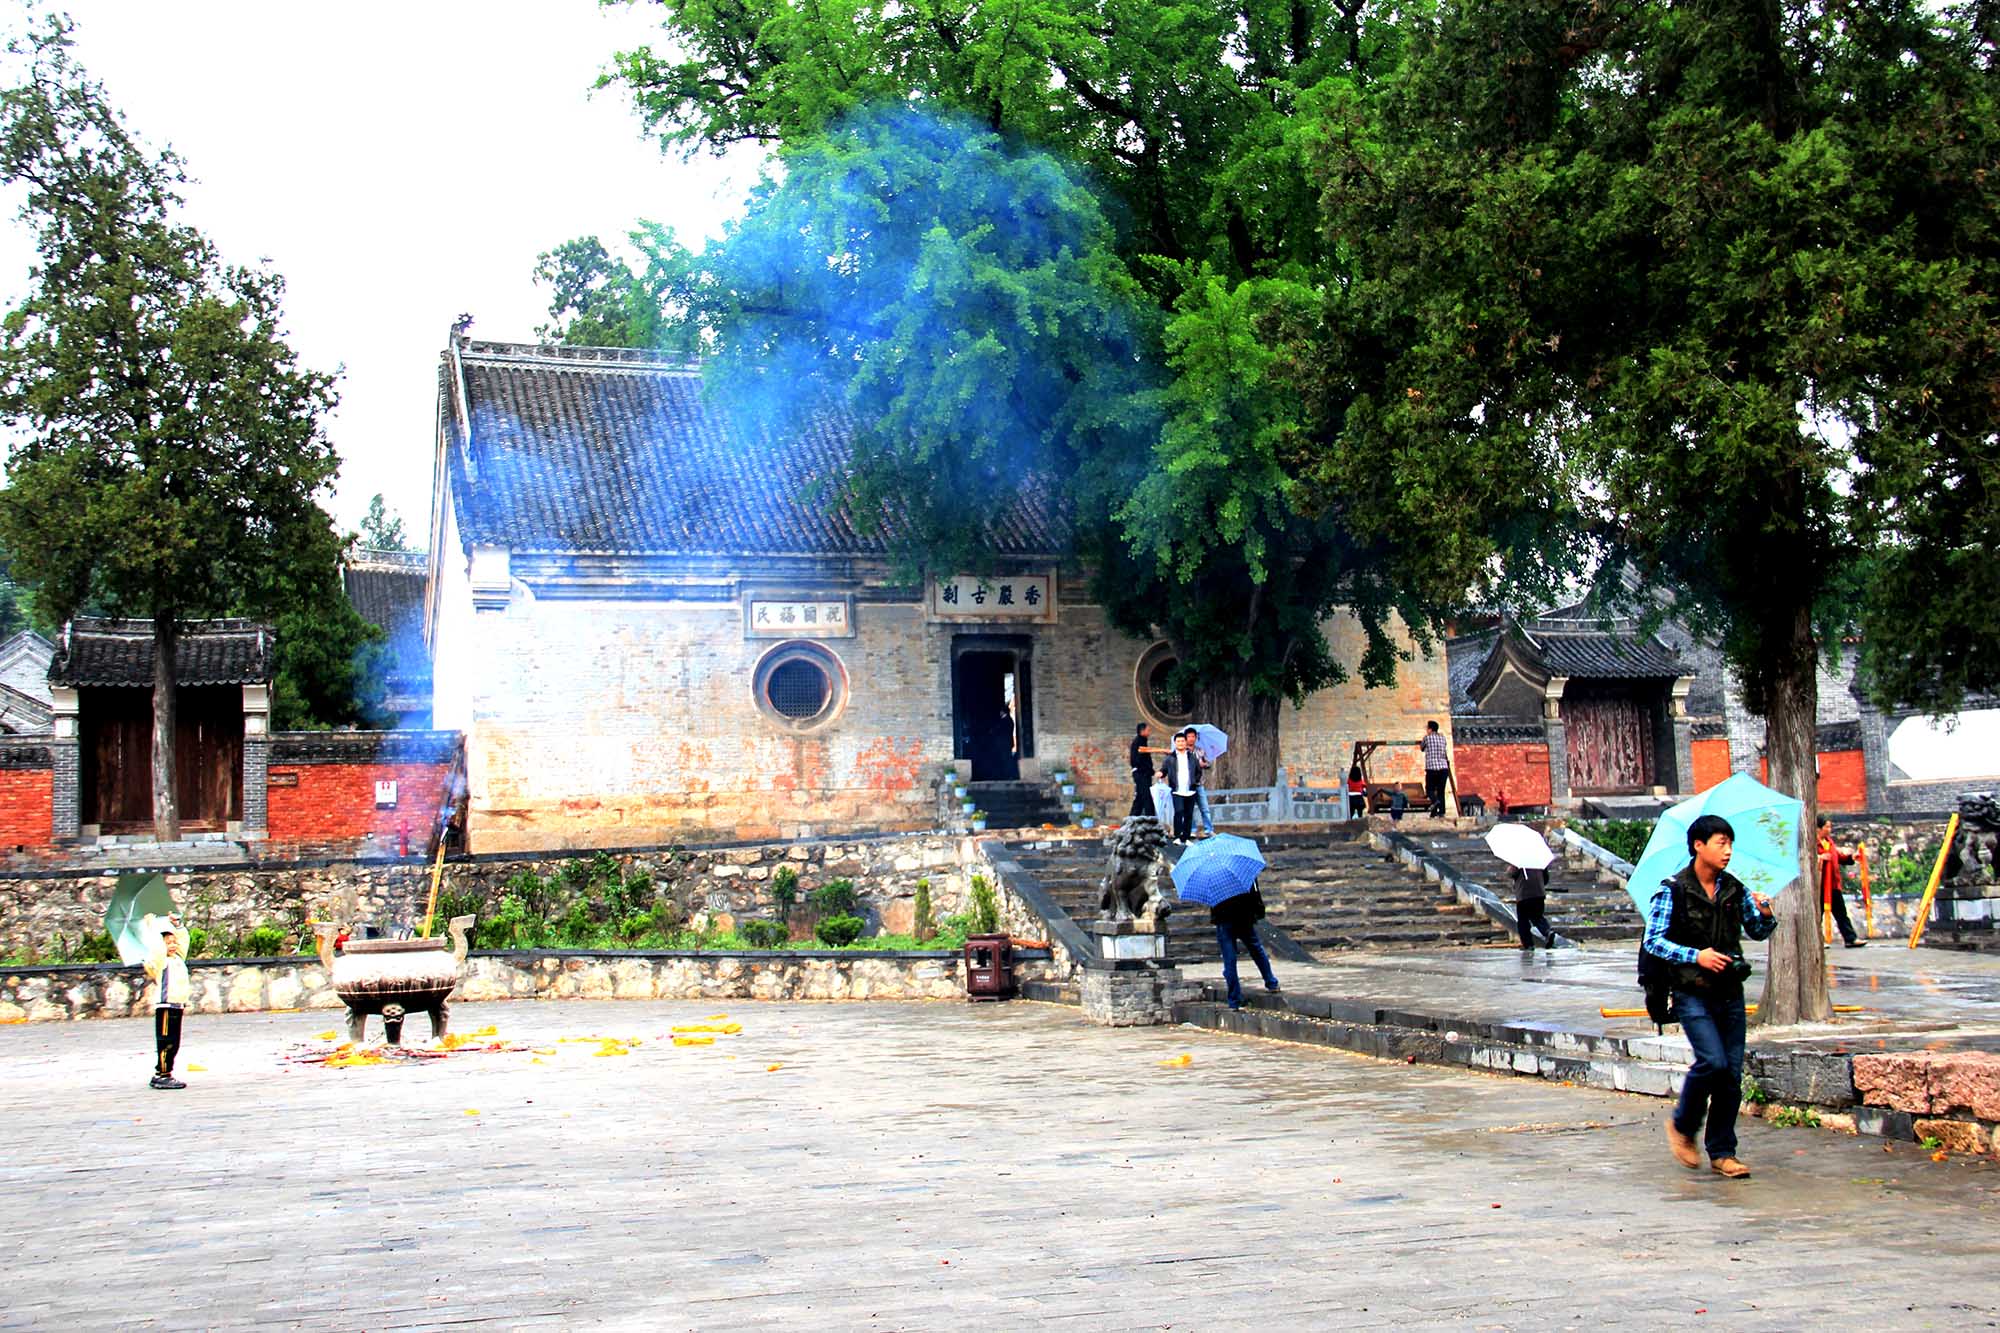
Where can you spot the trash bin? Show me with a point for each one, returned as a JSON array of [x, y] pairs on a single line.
[[989, 967]]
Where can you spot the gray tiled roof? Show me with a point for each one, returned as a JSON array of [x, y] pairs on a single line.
[[1597, 655], [603, 450], [387, 590], [120, 652]]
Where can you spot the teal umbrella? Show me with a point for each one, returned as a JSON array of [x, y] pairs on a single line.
[[1766, 857], [137, 897]]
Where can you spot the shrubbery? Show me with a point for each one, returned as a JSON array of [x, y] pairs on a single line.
[[763, 934], [1624, 838], [839, 931]]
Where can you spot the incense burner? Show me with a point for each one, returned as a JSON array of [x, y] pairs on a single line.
[[394, 978]]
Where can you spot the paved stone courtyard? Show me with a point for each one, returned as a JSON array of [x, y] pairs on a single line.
[[922, 1166]]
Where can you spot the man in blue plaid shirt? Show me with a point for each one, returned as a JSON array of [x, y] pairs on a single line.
[[1695, 924]]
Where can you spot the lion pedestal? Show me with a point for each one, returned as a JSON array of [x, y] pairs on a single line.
[[1126, 981]]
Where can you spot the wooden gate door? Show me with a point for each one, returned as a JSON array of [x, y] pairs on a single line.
[[116, 759], [208, 757], [1610, 745]]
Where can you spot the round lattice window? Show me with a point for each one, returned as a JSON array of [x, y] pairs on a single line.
[[1151, 682], [800, 685]]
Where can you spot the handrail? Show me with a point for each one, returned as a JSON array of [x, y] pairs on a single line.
[[1617, 865]]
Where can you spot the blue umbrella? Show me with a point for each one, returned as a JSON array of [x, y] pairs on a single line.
[[1217, 869], [1213, 740], [1766, 855]]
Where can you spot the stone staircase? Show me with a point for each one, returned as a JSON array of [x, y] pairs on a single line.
[[1581, 906], [1324, 891], [1020, 805]]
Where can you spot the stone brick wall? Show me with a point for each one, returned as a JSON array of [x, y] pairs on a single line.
[[1711, 761], [1518, 769], [109, 991], [35, 907], [618, 723], [1317, 740]]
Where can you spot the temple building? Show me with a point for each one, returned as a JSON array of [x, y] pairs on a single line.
[[651, 626]]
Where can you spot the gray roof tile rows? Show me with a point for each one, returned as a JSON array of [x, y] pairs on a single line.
[[580, 450], [120, 652]]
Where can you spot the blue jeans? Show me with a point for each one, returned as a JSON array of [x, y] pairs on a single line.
[[1713, 1089], [1201, 806], [1256, 948]]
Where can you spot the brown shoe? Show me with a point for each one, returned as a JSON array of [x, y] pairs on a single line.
[[1685, 1151], [1730, 1167]]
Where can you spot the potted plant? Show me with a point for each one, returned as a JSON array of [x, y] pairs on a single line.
[[1087, 822], [1076, 807], [1068, 787], [978, 818], [965, 803]]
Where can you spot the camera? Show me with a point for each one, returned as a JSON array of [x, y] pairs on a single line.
[[1739, 968]]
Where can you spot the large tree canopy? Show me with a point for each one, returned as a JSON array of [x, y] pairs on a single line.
[[172, 456], [1730, 271], [1123, 308]]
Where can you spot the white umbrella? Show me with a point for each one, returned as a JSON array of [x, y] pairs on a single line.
[[1519, 845]]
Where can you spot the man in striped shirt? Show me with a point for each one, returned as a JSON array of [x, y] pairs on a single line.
[[1437, 768]]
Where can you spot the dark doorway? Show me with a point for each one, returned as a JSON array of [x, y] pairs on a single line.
[[117, 758], [992, 704]]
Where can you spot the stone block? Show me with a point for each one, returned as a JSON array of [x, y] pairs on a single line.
[[246, 990], [1966, 1082], [1811, 1078], [1959, 1136], [282, 988]]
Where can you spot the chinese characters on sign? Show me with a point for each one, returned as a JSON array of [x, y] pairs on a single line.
[[994, 597], [821, 618]]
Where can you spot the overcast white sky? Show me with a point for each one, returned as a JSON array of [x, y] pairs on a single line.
[[398, 163]]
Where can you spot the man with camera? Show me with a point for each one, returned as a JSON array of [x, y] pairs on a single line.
[[1695, 925]]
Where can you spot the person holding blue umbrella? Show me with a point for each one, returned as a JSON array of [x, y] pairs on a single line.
[[1221, 875], [1695, 924]]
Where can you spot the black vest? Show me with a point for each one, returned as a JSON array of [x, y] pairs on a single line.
[[1701, 923]]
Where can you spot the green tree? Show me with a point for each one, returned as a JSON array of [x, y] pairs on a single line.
[[172, 449], [596, 300], [1727, 272], [381, 529], [1191, 125]]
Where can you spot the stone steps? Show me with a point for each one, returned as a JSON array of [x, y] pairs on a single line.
[[1323, 892]]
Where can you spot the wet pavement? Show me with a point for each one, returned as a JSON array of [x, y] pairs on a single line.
[[1909, 998], [891, 1165]]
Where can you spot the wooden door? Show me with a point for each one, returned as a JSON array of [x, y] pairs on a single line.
[[208, 757], [116, 758], [1610, 744]]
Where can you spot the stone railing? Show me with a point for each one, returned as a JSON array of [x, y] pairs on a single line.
[[1583, 848], [1282, 803], [1469, 892]]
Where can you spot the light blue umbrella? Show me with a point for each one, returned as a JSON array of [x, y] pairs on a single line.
[[1766, 856], [1217, 869], [137, 897], [1213, 740]]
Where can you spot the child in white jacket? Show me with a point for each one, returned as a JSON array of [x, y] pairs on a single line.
[[167, 969]]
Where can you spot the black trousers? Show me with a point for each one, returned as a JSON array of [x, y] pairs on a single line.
[[1528, 914], [1142, 793], [1183, 816], [166, 1040], [1840, 921], [1434, 788]]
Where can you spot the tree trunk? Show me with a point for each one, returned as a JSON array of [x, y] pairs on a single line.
[[1795, 989], [166, 810], [1251, 722]]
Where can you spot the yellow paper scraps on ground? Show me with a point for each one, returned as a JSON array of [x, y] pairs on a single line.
[[537, 1060], [197, 1069], [694, 1041], [488, 1031], [772, 1069], [327, 1035], [726, 1029], [470, 1111], [348, 1058], [715, 1018], [545, 1050], [456, 1040], [1181, 1061]]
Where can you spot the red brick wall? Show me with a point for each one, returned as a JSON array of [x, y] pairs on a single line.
[[1711, 762], [1520, 770], [1843, 785], [27, 807], [338, 801], [1843, 782]]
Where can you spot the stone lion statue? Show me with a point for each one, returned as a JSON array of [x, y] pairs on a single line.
[[1131, 885], [1978, 864]]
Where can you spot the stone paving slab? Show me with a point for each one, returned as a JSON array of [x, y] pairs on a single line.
[[922, 1166], [1912, 998]]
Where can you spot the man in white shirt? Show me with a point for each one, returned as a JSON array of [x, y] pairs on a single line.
[[1184, 778]]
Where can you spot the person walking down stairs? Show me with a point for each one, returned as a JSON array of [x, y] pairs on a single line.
[[1531, 896]]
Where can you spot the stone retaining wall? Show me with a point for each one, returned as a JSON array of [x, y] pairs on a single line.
[[1951, 1096], [37, 906], [264, 984]]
